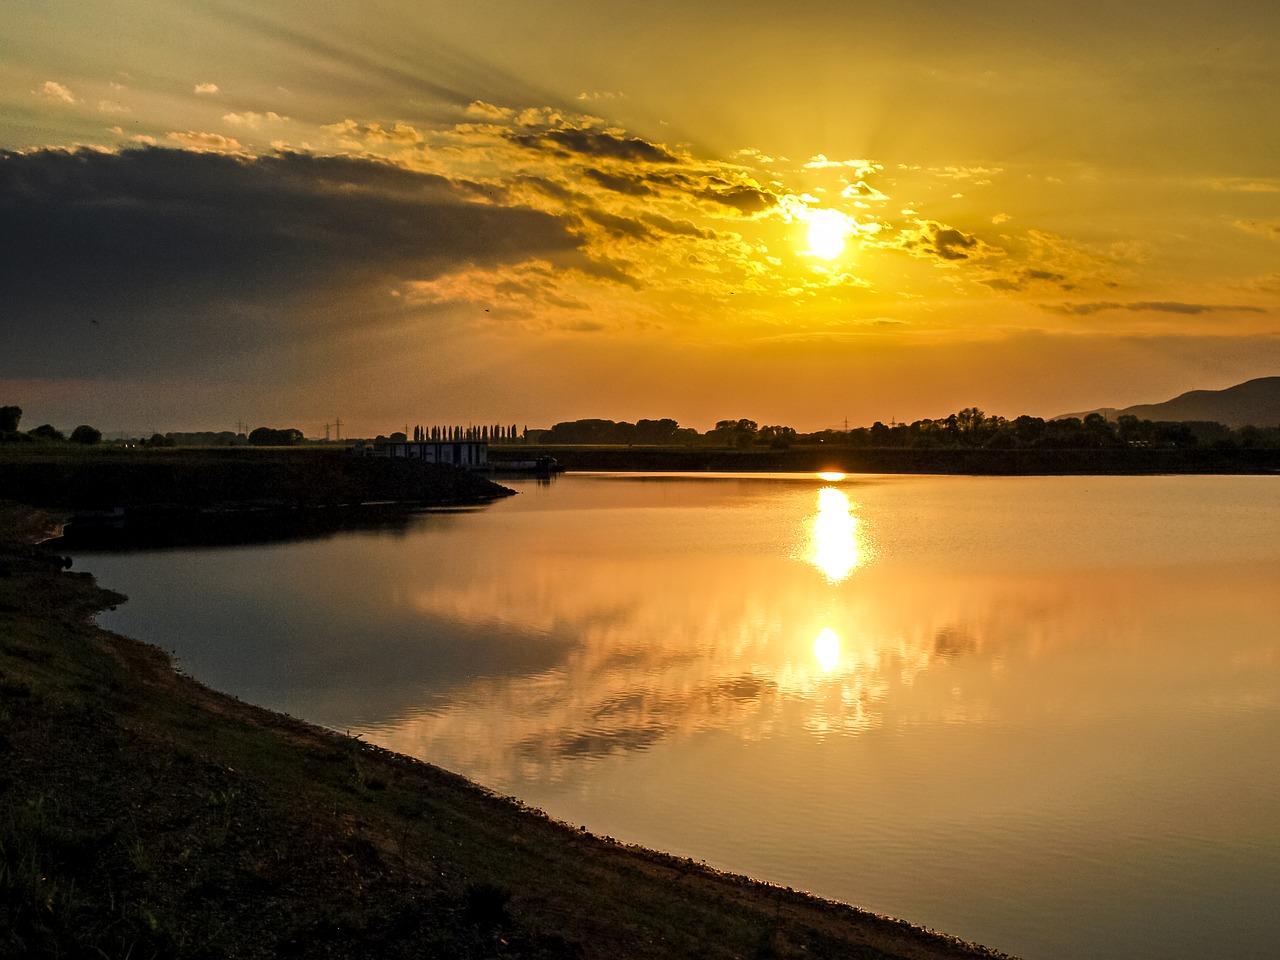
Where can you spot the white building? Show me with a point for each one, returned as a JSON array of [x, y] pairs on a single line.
[[466, 454]]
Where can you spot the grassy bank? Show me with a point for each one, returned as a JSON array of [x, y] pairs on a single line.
[[190, 480], [142, 815]]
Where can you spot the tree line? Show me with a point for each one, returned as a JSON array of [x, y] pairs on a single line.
[[11, 417], [486, 433], [966, 428], [969, 427]]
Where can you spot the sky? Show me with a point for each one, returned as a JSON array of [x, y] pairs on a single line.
[[392, 213]]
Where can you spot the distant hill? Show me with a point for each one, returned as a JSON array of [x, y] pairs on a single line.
[[1252, 403]]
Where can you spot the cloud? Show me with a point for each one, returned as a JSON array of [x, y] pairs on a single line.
[[619, 184], [862, 191], [253, 121], [744, 198], [982, 174], [1269, 283], [861, 168], [596, 143], [933, 240], [205, 88], [478, 108], [184, 259], [1149, 306], [643, 210], [678, 228], [205, 142], [1262, 228], [1019, 278], [52, 90], [1035, 259], [400, 133], [1248, 186], [617, 225]]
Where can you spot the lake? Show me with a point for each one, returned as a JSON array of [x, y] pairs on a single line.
[[1042, 713]]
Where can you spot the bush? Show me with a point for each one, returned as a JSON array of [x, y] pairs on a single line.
[[86, 434], [268, 437], [47, 431]]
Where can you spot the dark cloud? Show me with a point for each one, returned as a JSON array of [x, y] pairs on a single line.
[[617, 184], [743, 198], [619, 226], [951, 244], [180, 255], [595, 143], [678, 228], [939, 241], [1021, 279], [1149, 306], [605, 269], [550, 188]]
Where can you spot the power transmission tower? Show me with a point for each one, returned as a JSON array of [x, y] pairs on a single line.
[[337, 428]]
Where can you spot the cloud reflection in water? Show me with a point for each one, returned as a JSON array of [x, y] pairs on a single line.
[[679, 630]]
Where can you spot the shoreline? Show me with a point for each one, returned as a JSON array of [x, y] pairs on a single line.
[[218, 828], [901, 460]]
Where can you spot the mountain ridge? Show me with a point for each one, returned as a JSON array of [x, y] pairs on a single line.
[[1253, 403]]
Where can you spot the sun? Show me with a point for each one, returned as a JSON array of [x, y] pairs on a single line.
[[828, 232]]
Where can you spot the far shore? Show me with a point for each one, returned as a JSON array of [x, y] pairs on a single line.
[[142, 814], [972, 461]]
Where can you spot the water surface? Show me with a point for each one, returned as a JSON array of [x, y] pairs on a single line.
[[1041, 713]]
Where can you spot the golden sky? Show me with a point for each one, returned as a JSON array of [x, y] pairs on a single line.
[[396, 212]]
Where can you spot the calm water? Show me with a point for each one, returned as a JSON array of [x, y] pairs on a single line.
[[1041, 713]]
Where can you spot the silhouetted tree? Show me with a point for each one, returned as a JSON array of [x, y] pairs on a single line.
[[86, 435], [656, 431], [1027, 430], [47, 431], [1098, 431], [969, 423], [777, 437], [269, 437], [9, 419], [734, 433]]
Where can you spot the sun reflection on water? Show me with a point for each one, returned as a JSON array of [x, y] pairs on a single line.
[[826, 649], [834, 546]]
